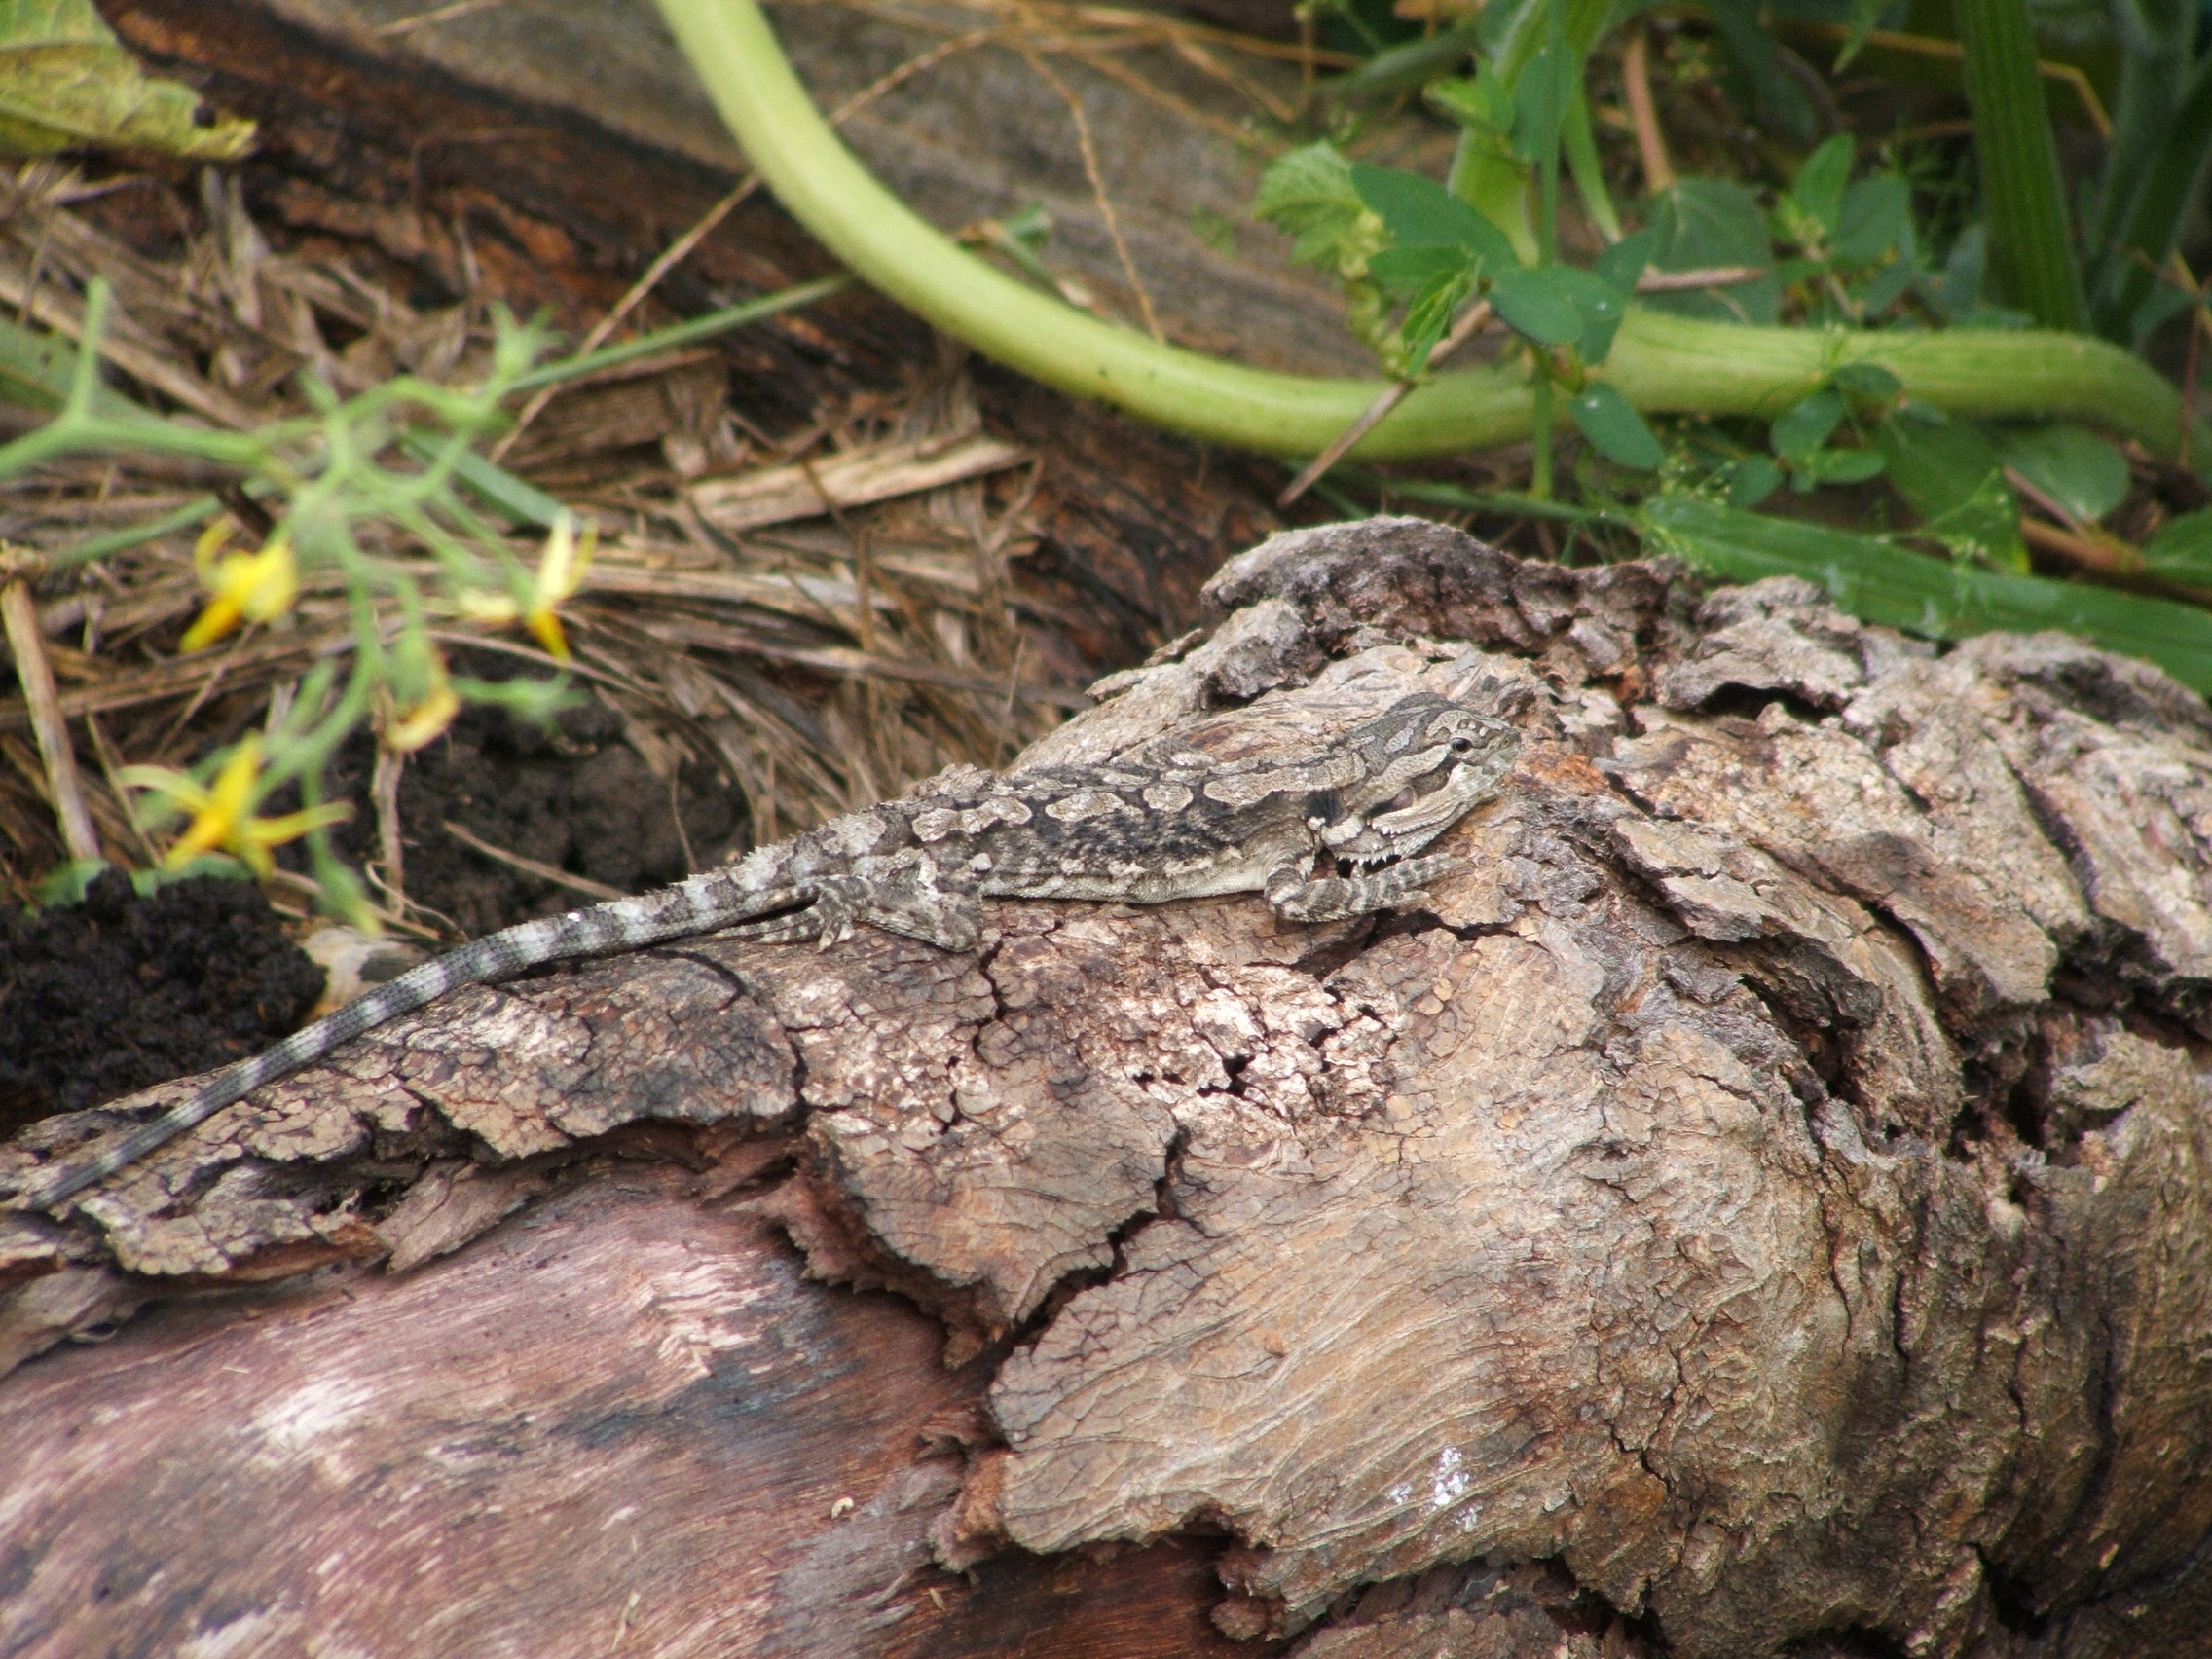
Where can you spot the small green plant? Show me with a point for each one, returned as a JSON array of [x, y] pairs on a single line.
[[383, 500], [1826, 340]]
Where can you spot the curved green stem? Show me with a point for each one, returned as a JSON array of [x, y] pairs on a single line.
[[1662, 363]]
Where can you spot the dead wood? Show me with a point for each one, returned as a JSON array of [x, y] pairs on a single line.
[[1763, 1208]]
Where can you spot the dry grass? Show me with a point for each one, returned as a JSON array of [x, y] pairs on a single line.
[[821, 661]]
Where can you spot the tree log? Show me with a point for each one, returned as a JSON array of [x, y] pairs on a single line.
[[1759, 1208]]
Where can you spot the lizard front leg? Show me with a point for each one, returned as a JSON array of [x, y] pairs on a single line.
[[1297, 898]]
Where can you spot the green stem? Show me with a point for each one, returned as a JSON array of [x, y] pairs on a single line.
[[1662, 363], [2021, 190], [685, 333]]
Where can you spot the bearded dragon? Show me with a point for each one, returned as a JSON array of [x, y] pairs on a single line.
[[1325, 836]]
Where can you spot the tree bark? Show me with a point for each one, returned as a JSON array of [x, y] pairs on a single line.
[[1759, 1208]]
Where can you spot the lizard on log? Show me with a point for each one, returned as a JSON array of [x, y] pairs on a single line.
[[1166, 823], [1760, 1206]]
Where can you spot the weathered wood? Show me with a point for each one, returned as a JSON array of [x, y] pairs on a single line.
[[1765, 1207]]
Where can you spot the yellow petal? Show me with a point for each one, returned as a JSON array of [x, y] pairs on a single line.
[[212, 540], [424, 722], [271, 581], [547, 627], [223, 613], [233, 792], [560, 566], [480, 606], [275, 832]]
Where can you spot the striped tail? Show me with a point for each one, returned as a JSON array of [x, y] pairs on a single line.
[[697, 906]]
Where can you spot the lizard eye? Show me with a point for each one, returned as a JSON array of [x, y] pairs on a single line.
[[1462, 745]]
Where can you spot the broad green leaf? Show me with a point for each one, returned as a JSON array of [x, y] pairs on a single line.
[[1420, 212], [1799, 432], [1624, 263], [1308, 193], [1542, 95], [2182, 552], [1875, 216], [1950, 474], [2069, 463], [1599, 303], [1752, 480], [1889, 282], [1780, 101], [1889, 585], [1430, 315], [66, 83], [1841, 466], [1866, 383], [1615, 429], [1817, 191], [1530, 303], [1403, 270], [1704, 224]]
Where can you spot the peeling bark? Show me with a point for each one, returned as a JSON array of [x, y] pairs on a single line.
[[1764, 1206]]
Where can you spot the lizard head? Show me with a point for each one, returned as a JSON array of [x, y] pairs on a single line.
[[1424, 764]]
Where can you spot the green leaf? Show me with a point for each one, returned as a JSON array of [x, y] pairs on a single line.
[[1841, 466], [1542, 95], [1701, 224], [1866, 383], [66, 83], [1624, 263], [1801, 431], [1864, 15], [1483, 104], [1599, 303], [1752, 480], [1308, 193], [2069, 463], [1530, 303], [1780, 101], [1887, 585], [1420, 212], [1430, 315], [65, 883], [1615, 429], [2182, 551], [1949, 472], [1874, 217], [1403, 270], [1817, 191], [1402, 68]]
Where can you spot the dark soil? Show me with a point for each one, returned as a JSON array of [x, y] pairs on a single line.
[[108, 997], [575, 797]]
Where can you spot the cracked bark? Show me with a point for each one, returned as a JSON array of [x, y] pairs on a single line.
[[1764, 1206]]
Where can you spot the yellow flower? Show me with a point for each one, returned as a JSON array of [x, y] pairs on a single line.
[[222, 816], [560, 576], [421, 724], [248, 586]]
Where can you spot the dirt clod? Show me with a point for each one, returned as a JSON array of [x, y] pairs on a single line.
[[102, 998]]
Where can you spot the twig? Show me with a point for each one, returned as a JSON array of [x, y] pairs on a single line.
[[1713, 276], [1098, 179], [383, 790], [1644, 112], [1925, 46], [436, 16], [60, 762], [1461, 331], [530, 867]]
